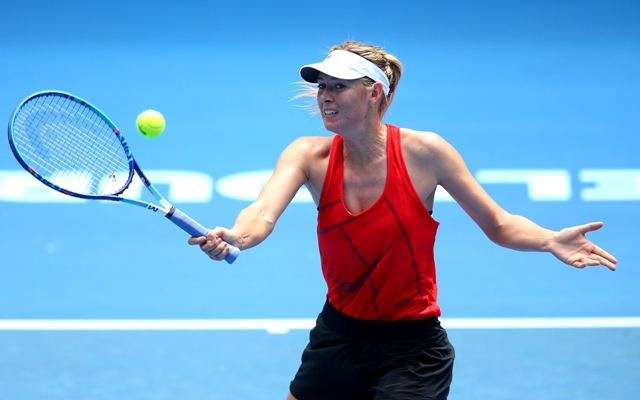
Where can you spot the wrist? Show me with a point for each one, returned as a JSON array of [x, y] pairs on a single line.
[[547, 241]]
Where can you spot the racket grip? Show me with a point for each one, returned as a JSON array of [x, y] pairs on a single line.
[[189, 225]]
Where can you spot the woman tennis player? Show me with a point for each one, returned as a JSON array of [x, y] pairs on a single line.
[[378, 335]]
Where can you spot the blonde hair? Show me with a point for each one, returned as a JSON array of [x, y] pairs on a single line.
[[388, 63]]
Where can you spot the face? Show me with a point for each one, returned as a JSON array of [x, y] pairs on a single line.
[[345, 105]]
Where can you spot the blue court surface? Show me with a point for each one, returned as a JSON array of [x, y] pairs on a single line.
[[107, 301]]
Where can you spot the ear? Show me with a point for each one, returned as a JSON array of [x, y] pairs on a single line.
[[377, 92]]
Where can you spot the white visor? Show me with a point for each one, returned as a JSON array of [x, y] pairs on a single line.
[[343, 64]]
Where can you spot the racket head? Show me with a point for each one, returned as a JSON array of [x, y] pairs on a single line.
[[71, 146]]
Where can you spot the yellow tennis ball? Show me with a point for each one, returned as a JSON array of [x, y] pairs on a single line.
[[150, 123]]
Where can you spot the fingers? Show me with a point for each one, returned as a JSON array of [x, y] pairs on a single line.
[[586, 262], [214, 247], [598, 256], [594, 263], [607, 260], [196, 240], [590, 227], [594, 260], [611, 266], [213, 244], [604, 256]]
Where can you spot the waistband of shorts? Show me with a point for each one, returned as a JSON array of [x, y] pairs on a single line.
[[357, 328]]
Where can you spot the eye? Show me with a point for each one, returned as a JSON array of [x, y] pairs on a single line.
[[321, 86]]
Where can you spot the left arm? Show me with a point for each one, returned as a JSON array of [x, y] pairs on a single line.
[[569, 245]]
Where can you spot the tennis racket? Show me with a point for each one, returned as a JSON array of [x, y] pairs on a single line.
[[72, 147]]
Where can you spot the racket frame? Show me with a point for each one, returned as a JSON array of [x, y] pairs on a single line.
[[176, 216]]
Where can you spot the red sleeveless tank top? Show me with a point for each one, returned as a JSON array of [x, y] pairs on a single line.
[[378, 264]]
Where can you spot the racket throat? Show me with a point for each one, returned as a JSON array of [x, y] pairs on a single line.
[[170, 213]]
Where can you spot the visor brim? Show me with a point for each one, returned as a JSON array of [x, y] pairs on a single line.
[[310, 72]]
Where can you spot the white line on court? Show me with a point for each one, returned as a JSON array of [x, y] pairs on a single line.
[[285, 325]]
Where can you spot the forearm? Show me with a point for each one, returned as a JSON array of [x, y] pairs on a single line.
[[252, 227], [519, 233]]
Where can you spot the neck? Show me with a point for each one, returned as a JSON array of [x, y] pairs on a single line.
[[366, 145]]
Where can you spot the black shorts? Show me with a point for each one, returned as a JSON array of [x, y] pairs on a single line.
[[347, 358]]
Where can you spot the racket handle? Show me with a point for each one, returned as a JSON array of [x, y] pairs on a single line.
[[193, 228]]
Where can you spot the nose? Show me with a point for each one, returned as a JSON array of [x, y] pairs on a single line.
[[324, 96]]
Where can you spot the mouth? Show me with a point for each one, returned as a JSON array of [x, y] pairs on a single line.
[[329, 112]]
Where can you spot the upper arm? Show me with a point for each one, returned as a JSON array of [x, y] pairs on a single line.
[[454, 176], [290, 173]]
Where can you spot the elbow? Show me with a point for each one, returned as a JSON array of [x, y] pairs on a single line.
[[495, 237], [265, 221], [496, 230], [253, 225]]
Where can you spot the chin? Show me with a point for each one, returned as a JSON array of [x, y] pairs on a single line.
[[331, 126], [328, 126]]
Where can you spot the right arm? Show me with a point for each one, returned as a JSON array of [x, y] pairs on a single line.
[[256, 222]]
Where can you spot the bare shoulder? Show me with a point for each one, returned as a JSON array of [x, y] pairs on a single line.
[[313, 147], [423, 146], [307, 157], [307, 154]]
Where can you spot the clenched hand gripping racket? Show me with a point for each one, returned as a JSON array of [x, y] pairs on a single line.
[[72, 147]]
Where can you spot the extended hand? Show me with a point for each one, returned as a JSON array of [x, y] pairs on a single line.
[[572, 247]]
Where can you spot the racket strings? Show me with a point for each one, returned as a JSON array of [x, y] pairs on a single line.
[[71, 146]]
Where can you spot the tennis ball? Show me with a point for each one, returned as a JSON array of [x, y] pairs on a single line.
[[150, 123]]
